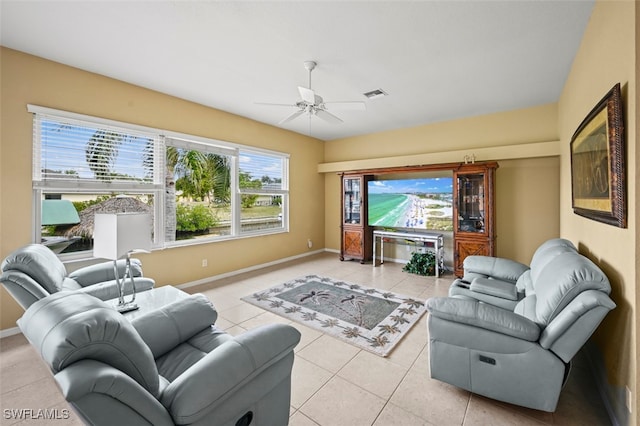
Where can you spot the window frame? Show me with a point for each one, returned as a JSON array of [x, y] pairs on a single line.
[[162, 139], [283, 192]]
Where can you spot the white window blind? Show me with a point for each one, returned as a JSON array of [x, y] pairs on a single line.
[[263, 192], [74, 153], [262, 173], [181, 178]]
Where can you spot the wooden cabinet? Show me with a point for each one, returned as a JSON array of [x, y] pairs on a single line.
[[356, 235], [473, 212]]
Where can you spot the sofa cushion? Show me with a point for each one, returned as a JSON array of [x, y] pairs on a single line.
[[179, 359], [527, 307], [165, 328], [547, 252], [561, 280], [40, 263], [70, 326]]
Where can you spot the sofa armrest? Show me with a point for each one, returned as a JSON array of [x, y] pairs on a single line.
[[570, 330], [103, 392], [493, 287], [109, 289], [485, 316], [495, 267], [101, 272], [226, 369]]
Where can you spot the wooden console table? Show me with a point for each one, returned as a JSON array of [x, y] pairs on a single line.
[[428, 240]]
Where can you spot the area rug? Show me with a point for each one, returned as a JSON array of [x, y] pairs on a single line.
[[371, 319]]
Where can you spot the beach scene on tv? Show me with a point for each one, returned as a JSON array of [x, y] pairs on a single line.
[[424, 203]]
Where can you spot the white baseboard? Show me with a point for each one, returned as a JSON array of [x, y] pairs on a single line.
[[248, 269], [9, 332]]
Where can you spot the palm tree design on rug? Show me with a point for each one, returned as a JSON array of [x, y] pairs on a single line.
[[315, 296], [367, 317], [355, 302]]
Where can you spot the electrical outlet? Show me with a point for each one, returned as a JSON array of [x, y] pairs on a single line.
[[309, 243], [629, 399], [204, 263]]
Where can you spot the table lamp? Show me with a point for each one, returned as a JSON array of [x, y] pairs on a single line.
[[117, 235]]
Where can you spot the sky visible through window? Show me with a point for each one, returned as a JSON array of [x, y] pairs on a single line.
[[258, 165]]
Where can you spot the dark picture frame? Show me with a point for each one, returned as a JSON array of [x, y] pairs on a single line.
[[598, 182]]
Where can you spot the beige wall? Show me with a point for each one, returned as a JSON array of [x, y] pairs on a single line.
[[537, 124], [608, 55], [527, 190], [527, 201], [27, 79]]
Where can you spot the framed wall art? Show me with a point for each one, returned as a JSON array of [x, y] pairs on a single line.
[[598, 182]]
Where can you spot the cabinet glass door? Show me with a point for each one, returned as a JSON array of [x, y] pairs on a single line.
[[471, 214], [352, 200]]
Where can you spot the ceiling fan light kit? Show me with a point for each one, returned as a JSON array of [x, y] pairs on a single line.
[[312, 104]]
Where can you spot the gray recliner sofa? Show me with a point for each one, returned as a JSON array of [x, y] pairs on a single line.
[[33, 272], [168, 366], [520, 355], [504, 282]]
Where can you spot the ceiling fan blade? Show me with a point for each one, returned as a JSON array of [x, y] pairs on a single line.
[[291, 117], [307, 95], [350, 106], [272, 104], [328, 117]]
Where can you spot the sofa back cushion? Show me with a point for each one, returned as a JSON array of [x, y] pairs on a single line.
[[547, 252], [39, 263], [561, 279], [71, 326]]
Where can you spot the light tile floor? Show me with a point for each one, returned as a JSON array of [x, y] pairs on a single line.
[[333, 382]]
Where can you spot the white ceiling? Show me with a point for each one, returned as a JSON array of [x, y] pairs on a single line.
[[437, 60]]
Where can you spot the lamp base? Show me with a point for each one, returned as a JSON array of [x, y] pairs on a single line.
[[126, 307]]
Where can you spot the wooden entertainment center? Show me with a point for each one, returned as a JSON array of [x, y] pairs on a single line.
[[473, 210]]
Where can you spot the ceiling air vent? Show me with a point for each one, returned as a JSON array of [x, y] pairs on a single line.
[[375, 94]]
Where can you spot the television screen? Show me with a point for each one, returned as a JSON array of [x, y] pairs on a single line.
[[423, 203]]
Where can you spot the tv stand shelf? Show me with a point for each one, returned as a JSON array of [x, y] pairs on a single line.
[[422, 239]]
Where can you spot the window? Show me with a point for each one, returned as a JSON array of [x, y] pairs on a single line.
[[263, 191], [197, 189]]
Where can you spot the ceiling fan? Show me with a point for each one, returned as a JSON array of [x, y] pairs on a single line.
[[312, 104]]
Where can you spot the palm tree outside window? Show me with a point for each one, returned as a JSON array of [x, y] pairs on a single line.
[[197, 189]]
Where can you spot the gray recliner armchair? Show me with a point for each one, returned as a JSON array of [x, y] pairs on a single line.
[[168, 366], [503, 282], [34, 272], [521, 355]]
